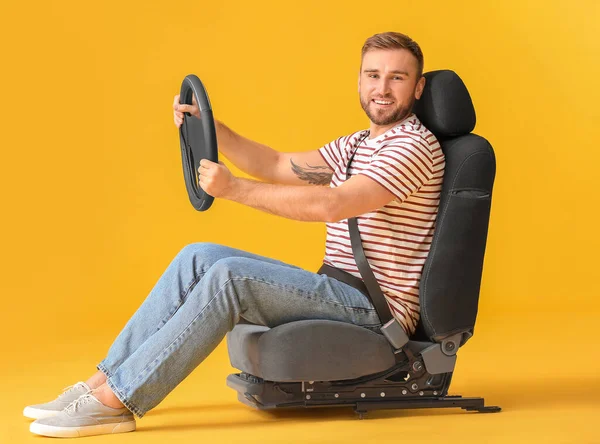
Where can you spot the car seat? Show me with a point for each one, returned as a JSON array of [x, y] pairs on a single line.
[[322, 363]]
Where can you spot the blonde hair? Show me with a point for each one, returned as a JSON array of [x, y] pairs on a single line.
[[395, 40]]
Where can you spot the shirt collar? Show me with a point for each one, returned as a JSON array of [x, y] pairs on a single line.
[[388, 133]]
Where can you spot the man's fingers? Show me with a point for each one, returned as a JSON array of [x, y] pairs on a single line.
[[182, 108]]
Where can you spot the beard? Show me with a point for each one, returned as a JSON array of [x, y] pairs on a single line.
[[386, 116]]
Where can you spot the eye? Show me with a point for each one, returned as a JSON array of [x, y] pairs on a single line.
[[398, 78]]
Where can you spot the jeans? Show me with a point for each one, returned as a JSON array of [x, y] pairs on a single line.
[[204, 292]]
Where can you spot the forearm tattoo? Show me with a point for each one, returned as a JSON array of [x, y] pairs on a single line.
[[317, 175]]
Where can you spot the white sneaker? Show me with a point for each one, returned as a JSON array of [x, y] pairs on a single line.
[[85, 416], [70, 394]]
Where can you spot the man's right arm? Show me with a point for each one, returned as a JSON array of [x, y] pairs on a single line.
[[261, 161]]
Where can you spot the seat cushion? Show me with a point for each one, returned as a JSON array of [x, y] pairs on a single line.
[[311, 350]]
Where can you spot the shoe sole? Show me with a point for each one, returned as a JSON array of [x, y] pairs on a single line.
[[33, 413], [74, 432]]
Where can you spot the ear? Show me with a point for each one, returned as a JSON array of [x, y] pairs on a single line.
[[419, 87]]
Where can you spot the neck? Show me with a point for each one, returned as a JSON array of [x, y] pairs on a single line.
[[377, 130]]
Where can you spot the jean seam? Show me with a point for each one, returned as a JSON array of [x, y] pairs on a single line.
[[308, 294], [315, 297]]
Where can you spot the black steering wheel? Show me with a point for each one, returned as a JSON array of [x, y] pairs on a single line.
[[198, 139]]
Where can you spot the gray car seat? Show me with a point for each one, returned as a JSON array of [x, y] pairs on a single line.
[[314, 363]]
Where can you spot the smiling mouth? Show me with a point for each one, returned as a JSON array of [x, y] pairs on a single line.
[[382, 102]]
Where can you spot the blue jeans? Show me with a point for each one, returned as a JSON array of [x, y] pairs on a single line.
[[205, 291]]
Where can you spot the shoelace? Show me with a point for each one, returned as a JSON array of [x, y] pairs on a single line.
[[68, 388], [83, 399]]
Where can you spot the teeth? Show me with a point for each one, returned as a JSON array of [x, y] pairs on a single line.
[[380, 102]]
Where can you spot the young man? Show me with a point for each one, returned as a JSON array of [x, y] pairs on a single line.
[[394, 188]]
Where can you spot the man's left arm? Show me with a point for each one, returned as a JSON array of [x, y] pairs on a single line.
[[298, 202], [357, 195]]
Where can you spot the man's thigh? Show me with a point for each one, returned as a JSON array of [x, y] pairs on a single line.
[[272, 293]]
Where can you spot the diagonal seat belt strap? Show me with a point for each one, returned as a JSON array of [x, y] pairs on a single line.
[[376, 295], [391, 328]]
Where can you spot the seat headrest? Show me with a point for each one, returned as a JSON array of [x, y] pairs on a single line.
[[445, 107]]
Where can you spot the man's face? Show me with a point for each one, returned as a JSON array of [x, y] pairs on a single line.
[[389, 76]]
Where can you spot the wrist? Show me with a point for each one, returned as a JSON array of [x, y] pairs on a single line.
[[234, 189]]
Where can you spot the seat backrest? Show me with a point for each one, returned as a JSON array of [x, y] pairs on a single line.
[[451, 278]]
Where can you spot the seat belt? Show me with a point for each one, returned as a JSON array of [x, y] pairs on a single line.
[[375, 294], [391, 329]]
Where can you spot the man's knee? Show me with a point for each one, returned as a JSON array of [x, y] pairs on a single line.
[[199, 248], [231, 266]]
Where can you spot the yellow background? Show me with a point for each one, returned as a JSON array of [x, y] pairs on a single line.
[[94, 205]]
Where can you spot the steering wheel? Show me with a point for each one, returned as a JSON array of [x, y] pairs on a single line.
[[198, 139]]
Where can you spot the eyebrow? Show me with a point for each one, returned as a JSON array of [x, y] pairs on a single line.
[[396, 71]]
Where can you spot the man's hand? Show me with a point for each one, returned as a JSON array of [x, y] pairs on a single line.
[[216, 179], [179, 109]]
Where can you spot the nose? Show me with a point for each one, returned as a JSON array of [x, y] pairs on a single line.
[[383, 87]]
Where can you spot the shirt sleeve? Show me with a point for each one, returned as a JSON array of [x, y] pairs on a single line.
[[400, 168], [332, 153]]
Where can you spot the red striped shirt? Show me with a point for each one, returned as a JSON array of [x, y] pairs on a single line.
[[408, 161]]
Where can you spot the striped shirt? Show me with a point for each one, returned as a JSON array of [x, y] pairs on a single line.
[[408, 161]]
